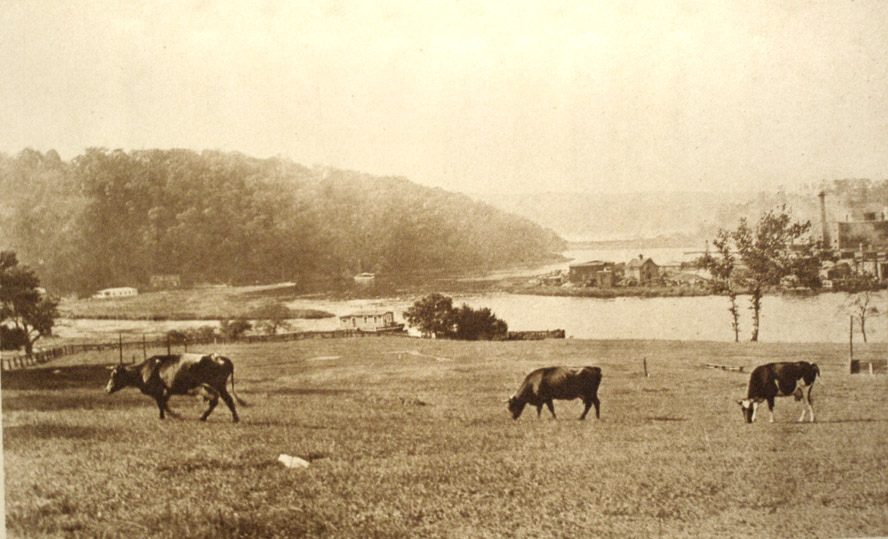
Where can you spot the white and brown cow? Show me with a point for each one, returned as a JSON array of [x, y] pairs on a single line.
[[160, 377], [779, 380]]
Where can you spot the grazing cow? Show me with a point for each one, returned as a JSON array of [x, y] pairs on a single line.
[[779, 380], [543, 385], [179, 374]]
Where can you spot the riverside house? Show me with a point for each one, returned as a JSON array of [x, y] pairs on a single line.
[[643, 270]]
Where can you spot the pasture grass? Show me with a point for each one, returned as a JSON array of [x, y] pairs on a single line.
[[411, 437]]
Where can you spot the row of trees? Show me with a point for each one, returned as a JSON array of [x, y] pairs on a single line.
[[115, 218], [757, 257], [435, 316]]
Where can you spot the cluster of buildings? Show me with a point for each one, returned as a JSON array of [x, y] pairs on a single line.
[[638, 271], [860, 245]]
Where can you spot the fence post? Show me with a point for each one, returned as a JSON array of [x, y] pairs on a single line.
[[144, 349], [120, 347], [168, 344], [851, 346], [645, 367]]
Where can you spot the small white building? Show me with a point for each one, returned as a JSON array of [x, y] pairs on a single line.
[[370, 321], [121, 292]]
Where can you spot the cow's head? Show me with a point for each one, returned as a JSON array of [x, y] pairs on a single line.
[[120, 378], [748, 406], [812, 374], [516, 406]]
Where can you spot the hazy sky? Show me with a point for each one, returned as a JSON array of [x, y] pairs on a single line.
[[589, 96]]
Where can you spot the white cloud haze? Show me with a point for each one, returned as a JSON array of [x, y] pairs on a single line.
[[585, 96]]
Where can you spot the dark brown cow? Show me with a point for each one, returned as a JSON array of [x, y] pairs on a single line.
[[779, 380], [543, 385], [161, 377]]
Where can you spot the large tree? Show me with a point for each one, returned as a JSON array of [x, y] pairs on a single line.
[[771, 251], [432, 315], [25, 310]]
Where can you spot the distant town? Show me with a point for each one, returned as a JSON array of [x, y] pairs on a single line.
[[857, 258]]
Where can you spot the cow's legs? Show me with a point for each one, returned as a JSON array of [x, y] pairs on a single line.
[[808, 407], [161, 404], [597, 404], [166, 404], [587, 404], [230, 403], [539, 410], [211, 396], [771, 409], [551, 408]]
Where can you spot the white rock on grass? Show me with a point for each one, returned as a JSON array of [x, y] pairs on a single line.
[[293, 462]]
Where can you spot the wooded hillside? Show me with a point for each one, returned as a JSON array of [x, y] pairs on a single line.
[[115, 218]]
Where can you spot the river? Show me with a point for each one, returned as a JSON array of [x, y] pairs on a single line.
[[820, 318]]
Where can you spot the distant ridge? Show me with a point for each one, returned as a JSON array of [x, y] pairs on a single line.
[[673, 218]]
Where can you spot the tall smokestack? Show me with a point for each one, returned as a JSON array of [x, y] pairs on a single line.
[[824, 226]]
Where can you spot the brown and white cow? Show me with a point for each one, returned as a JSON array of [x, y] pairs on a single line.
[[779, 380], [161, 377]]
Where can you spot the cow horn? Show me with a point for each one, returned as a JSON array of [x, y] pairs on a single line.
[[111, 367]]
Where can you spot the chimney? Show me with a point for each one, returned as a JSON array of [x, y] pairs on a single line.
[[824, 227]]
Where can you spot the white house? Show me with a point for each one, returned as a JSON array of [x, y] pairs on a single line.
[[121, 292], [370, 321]]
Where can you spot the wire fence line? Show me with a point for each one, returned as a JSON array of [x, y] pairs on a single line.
[[44, 355]]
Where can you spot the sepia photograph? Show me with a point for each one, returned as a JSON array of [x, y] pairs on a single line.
[[348, 269]]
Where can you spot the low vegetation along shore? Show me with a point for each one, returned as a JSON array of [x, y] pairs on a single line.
[[411, 437], [200, 303]]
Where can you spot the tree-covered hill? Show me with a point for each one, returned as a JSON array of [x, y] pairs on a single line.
[[114, 218]]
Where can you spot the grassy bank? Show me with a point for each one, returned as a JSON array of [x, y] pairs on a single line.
[[607, 293], [411, 438], [200, 303]]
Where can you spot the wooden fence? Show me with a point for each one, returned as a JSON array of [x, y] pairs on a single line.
[[871, 366], [46, 354], [535, 335], [43, 355]]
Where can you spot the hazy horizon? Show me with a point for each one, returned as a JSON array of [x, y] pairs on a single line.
[[485, 97]]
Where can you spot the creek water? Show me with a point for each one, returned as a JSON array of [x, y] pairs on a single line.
[[820, 318]]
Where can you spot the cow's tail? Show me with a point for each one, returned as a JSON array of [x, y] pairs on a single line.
[[239, 400]]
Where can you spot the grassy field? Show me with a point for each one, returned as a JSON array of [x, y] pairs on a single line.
[[411, 437]]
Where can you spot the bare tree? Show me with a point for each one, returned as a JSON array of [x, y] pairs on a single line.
[[721, 267], [862, 308]]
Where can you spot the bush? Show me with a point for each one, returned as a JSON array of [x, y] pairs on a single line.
[[480, 325], [12, 338], [434, 315], [234, 329]]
